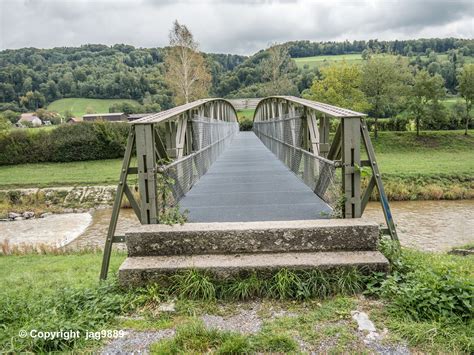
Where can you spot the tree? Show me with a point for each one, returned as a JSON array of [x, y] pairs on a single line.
[[186, 71], [341, 86], [384, 83], [33, 100], [466, 90], [11, 116], [426, 90], [5, 124], [276, 68]]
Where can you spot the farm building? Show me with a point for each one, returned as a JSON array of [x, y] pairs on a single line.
[[35, 121], [136, 116], [111, 117], [73, 120]]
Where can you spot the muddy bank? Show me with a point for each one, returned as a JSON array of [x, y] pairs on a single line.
[[55, 199], [54, 231]]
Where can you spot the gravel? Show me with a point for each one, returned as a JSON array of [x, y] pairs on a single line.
[[136, 342], [246, 322]]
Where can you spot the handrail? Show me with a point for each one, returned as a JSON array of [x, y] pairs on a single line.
[[172, 113], [330, 110]]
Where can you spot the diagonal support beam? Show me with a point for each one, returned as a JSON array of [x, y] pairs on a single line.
[[378, 181], [117, 202]]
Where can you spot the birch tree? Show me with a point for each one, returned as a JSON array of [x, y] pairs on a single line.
[[186, 71], [466, 89]]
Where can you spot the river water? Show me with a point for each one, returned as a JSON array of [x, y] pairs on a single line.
[[424, 225]]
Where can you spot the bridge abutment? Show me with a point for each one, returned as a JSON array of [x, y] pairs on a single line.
[[235, 249]]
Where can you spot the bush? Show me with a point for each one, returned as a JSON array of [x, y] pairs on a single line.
[[83, 141], [426, 287], [246, 124], [398, 123]]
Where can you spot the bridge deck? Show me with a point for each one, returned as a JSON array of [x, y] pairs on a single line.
[[248, 183]]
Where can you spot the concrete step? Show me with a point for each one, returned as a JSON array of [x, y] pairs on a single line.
[[138, 271], [253, 237]]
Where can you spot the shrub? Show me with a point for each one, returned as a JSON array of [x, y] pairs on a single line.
[[426, 287], [82, 141], [246, 124], [398, 123]]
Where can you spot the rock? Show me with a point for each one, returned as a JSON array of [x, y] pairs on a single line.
[[13, 215], [363, 321], [167, 307], [28, 214], [46, 214], [68, 210]]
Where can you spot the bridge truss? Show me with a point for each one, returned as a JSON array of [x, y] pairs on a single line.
[[297, 131], [172, 149]]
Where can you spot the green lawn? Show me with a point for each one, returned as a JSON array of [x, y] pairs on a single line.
[[433, 153], [80, 106], [96, 172]]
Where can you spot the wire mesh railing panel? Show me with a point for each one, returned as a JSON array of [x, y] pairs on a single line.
[[283, 137], [210, 138]]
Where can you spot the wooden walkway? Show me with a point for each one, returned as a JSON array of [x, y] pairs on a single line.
[[248, 183]]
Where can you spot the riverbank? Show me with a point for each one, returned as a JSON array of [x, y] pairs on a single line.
[[434, 226], [437, 165]]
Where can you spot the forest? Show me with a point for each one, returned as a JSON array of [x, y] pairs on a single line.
[[31, 78]]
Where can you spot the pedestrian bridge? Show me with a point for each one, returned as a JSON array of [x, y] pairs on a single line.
[[302, 161]]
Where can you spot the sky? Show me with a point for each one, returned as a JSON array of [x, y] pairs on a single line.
[[228, 26]]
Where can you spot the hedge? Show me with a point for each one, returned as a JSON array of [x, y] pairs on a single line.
[[82, 141]]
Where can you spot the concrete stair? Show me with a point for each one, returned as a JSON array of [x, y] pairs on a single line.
[[236, 249]]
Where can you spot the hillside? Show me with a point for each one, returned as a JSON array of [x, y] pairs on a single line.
[[80, 106]]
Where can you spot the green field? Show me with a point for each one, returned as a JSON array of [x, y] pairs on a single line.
[[355, 58], [80, 106], [400, 154], [96, 172], [322, 60], [245, 114]]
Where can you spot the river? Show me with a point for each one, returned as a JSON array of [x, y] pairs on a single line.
[[424, 225]]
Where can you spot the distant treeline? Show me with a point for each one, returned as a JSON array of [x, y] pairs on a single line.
[[31, 78], [298, 49]]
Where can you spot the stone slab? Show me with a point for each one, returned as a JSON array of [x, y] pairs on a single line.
[[253, 237], [138, 271]]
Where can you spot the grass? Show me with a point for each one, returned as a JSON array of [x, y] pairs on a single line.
[[245, 114], [354, 58], [322, 60], [432, 153], [425, 301], [52, 292], [80, 106], [95, 172]]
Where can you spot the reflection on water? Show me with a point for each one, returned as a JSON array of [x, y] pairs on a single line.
[[430, 225], [425, 225]]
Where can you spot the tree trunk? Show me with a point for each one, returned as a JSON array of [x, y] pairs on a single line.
[[417, 126], [376, 131], [467, 122]]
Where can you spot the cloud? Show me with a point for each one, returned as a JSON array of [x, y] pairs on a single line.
[[228, 26]]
